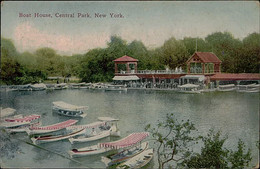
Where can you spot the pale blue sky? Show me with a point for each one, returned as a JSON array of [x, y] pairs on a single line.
[[150, 22]]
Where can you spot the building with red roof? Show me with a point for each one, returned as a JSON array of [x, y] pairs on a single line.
[[128, 61], [203, 63]]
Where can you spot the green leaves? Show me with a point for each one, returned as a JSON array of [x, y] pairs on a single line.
[[214, 155], [172, 138]]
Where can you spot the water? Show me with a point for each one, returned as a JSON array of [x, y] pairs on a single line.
[[235, 114]]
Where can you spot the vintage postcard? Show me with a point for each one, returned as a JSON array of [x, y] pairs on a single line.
[[130, 84]]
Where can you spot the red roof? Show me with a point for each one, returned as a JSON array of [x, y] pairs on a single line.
[[130, 140], [125, 59], [206, 57], [236, 76], [61, 125]]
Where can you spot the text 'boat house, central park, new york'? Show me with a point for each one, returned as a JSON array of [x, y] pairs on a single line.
[[203, 68]]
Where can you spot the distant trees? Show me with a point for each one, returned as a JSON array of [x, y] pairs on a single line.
[[238, 56]]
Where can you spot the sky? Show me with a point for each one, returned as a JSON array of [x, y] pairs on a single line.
[[150, 22]]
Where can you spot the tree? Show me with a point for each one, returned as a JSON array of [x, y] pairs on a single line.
[[138, 51], [239, 159], [173, 140], [190, 44], [174, 53], [214, 155], [227, 48]]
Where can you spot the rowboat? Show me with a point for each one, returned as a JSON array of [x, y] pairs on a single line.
[[122, 156], [19, 120], [102, 129], [250, 88], [23, 128], [226, 88], [189, 88], [50, 128], [66, 109], [138, 161], [115, 88], [6, 112], [126, 142], [52, 138], [60, 86], [38, 87]]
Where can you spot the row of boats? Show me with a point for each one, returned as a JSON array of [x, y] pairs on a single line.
[[61, 86], [129, 152], [193, 88]]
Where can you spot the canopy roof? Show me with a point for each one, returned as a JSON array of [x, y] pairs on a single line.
[[61, 125], [23, 119], [91, 125], [63, 105], [7, 112], [125, 59], [130, 140], [189, 86], [126, 78], [107, 119]]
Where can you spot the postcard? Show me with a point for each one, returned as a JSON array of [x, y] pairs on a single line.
[[129, 84]]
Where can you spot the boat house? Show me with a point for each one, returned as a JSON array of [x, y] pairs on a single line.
[[203, 69]]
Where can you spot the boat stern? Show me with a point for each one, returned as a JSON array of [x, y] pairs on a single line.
[[34, 140], [105, 160], [114, 131]]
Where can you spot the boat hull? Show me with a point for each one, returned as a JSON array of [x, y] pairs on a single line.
[[92, 150], [117, 160], [139, 160], [39, 140]]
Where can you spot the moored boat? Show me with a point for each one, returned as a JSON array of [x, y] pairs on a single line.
[[50, 128], [115, 159], [19, 120], [95, 131], [115, 88], [250, 88], [52, 138], [38, 87], [66, 109], [6, 112], [226, 88], [126, 142], [138, 161], [189, 88]]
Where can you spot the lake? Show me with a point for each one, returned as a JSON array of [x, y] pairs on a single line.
[[234, 113]]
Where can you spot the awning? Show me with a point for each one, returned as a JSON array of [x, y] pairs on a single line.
[[199, 77], [126, 78], [91, 125], [130, 140], [66, 106], [23, 119], [61, 125]]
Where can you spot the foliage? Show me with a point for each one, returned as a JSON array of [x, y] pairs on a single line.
[[237, 158], [214, 155], [173, 140], [238, 56]]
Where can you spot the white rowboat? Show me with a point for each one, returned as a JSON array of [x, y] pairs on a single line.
[[138, 161]]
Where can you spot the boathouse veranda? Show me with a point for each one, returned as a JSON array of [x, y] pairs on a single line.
[[203, 69]]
